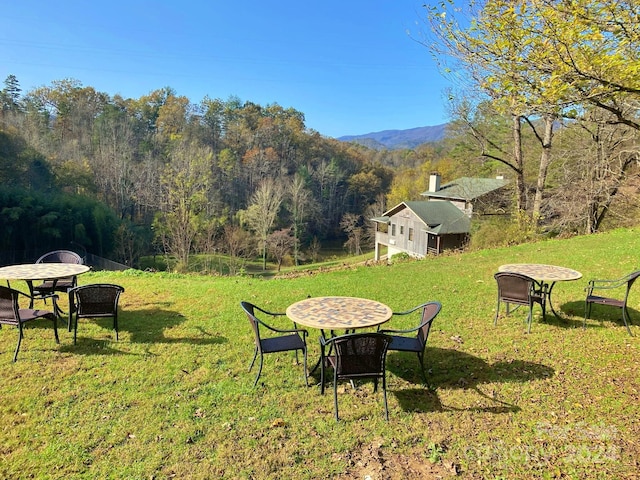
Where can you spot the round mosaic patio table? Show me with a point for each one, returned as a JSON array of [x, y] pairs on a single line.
[[338, 313], [542, 272], [30, 272], [42, 271]]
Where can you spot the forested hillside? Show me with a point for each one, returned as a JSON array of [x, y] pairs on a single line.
[[549, 99], [177, 177]]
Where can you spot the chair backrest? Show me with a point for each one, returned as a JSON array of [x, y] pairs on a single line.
[[514, 287], [98, 299], [9, 310], [60, 256], [249, 309], [361, 354], [429, 312]]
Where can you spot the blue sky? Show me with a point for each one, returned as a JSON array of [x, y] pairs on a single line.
[[350, 66]]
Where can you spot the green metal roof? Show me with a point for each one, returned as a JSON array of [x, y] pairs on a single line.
[[439, 217], [467, 188]]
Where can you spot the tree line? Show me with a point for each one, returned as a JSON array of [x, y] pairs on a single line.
[[545, 92], [182, 177]]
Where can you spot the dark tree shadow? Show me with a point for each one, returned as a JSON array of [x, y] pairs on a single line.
[[454, 369], [144, 326]]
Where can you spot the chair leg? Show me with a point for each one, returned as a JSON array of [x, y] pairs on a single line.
[[255, 382], [15, 355], [304, 366], [624, 318], [495, 319], [421, 361], [115, 326], [384, 396], [75, 330], [587, 314], [322, 370], [55, 328], [335, 396], [255, 355], [71, 309]]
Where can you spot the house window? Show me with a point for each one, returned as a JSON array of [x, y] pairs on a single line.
[[401, 229], [410, 234], [393, 229]]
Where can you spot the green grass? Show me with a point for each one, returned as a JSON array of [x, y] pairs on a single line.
[[219, 264], [173, 398]]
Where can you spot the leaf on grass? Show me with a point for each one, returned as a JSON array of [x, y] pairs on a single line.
[[278, 422]]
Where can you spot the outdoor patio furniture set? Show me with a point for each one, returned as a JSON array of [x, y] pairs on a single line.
[[526, 284], [356, 356], [58, 272], [352, 356]]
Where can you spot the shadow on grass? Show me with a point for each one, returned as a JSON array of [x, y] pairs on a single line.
[[601, 314], [144, 326], [565, 319], [424, 400], [454, 369]]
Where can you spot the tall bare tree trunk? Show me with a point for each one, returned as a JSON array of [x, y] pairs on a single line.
[[545, 160], [521, 192]]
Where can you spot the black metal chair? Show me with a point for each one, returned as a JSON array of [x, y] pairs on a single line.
[[98, 300], [625, 282], [12, 314], [287, 339], [417, 342], [49, 287], [517, 289], [355, 356]]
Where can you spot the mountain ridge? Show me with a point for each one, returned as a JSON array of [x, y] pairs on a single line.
[[398, 139]]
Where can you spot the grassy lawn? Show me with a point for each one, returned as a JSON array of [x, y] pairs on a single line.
[[173, 398]]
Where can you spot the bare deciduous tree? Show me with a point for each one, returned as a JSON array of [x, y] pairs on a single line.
[[263, 212], [280, 243], [353, 226]]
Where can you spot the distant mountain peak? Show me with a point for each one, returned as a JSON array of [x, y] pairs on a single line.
[[398, 139]]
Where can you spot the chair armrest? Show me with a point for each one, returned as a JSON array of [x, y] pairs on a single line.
[[53, 296], [390, 330], [304, 332], [398, 314], [50, 295], [273, 314], [605, 284], [418, 327], [407, 312]]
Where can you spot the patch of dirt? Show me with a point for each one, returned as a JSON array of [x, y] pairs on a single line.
[[373, 463]]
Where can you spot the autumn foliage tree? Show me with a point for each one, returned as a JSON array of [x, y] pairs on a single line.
[[540, 61]]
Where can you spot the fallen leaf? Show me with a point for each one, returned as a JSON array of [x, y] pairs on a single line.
[[278, 422]]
